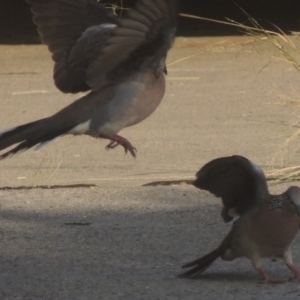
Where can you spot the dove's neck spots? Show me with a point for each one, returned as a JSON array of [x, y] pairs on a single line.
[[276, 203]]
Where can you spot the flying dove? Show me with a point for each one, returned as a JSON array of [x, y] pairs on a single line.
[[120, 63]]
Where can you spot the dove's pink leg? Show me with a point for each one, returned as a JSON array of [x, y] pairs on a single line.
[[117, 140]]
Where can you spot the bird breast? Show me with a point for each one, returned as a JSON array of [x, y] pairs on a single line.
[[269, 231], [136, 100]]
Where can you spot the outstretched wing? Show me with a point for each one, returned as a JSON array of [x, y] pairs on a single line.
[[74, 31], [140, 42], [238, 181]]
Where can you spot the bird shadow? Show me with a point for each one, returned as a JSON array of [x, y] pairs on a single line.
[[225, 276]]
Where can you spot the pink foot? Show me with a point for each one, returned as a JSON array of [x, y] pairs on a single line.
[[295, 271], [266, 278], [112, 145], [272, 280], [119, 140]]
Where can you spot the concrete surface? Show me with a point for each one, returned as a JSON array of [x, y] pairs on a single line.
[[225, 96]]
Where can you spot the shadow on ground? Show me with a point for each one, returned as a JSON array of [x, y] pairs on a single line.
[[132, 248]]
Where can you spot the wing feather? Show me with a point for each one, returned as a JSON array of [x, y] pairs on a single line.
[[140, 42], [239, 182], [61, 23]]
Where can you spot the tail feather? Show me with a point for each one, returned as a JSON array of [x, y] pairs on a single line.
[[14, 135], [201, 264], [29, 135]]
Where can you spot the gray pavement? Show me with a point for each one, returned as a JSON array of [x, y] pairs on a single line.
[[224, 96]]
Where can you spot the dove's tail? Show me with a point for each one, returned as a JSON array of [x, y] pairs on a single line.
[[201, 264], [37, 133]]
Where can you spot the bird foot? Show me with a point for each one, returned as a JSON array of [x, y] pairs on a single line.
[[119, 140], [112, 145], [271, 280], [266, 278], [295, 271]]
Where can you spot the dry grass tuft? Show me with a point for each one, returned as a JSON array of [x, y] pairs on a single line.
[[288, 50]]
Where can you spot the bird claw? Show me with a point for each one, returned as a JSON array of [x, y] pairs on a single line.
[[118, 140], [272, 280], [296, 277], [266, 278], [112, 145]]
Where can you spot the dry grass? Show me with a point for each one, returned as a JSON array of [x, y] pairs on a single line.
[[286, 151], [288, 50]]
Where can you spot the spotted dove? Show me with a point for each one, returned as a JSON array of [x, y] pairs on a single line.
[[266, 224], [120, 63]]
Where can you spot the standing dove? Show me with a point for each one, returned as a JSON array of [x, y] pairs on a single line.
[[121, 63], [267, 224]]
